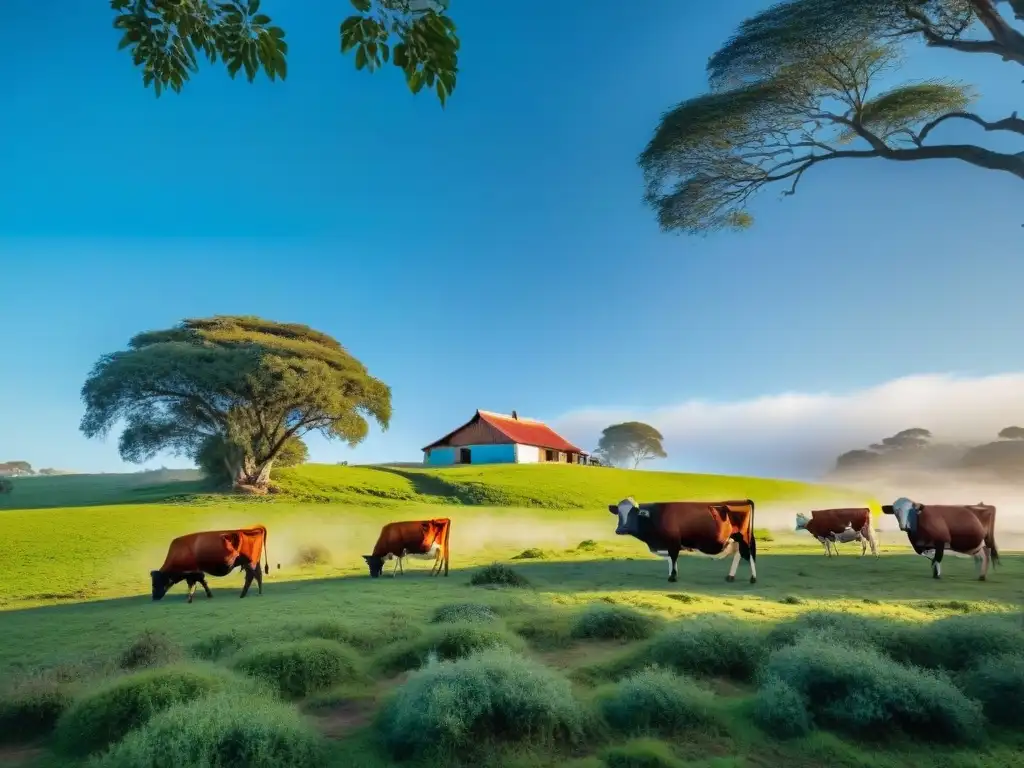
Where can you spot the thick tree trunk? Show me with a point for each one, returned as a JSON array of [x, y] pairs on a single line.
[[253, 473]]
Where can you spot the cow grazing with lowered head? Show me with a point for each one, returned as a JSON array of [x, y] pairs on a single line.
[[840, 526], [933, 528], [422, 539], [190, 558], [708, 527]]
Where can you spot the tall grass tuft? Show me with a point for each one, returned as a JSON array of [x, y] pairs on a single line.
[[998, 683], [300, 668], [107, 713], [641, 753], [601, 621], [150, 649], [471, 706], [781, 711], [31, 709], [456, 613], [708, 647], [498, 575], [446, 642], [864, 692], [656, 701], [220, 731]]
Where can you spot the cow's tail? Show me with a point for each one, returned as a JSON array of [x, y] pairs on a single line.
[[444, 549], [266, 557], [869, 533]]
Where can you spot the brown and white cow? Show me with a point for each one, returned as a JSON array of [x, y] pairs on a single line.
[[708, 527], [217, 553], [934, 528], [422, 539], [840, 526]]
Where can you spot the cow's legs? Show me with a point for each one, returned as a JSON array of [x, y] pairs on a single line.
[[258, 573], [438, 562], [824, 543], [937, 561], [735, 566], [192, 581], [863, 546], [673, 574], [249, 575], [753, 570], [206, 587], [986, 558]]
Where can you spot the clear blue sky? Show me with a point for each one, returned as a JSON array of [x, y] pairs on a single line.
[[496, 254]]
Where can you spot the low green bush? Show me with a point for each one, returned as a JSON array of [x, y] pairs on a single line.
[[531, 554], [221, 645], [31, 710], [471, 706], [600, 621], [641, 753], [106, 713], [445, 642], [781, 711], [150, 649], [545, 629], [363, 636], [860, 631], [656, 701], [862, 691], [299, 668], [998, 683], [956, 643], [220, 731], [455, 613], [708, 647], [498, 575]]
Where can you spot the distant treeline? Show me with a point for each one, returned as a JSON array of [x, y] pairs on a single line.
[[24, 469], [915, 448]]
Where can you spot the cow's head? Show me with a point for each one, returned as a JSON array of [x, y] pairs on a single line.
[[376, 565], [161, 583], [801, 521], [629, 515], [901, 508]]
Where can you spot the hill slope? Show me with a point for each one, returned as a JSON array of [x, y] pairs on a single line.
[[558, 486]]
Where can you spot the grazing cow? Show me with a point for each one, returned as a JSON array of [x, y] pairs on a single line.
[[422, 539], [933, 528], [840, 526], [708, 527], [216, 553]]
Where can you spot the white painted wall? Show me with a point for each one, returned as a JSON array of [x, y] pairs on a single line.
[[527, 454]]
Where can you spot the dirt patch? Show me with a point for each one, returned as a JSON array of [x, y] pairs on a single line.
[[19, 754], [341, 720]]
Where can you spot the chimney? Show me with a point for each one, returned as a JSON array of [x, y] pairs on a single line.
[[515, 415]]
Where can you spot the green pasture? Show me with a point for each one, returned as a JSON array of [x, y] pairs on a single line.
[[341, 666]]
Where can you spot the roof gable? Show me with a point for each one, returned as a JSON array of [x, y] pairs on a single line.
[[517, 430]]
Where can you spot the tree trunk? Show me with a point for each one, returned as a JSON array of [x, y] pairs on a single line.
[[253, 473]]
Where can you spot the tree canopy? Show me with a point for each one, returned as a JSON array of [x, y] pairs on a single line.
[[800, 84], [238, 385], [1012, 433], [167, 39], [630, 441]]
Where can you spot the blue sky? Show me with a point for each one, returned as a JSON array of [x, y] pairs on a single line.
[[496, 254]]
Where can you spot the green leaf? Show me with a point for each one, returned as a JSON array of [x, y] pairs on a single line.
[[363, 6], [261, 19], [442, 92], [385, 51], [254, 5], [361, 57], [416, 81]]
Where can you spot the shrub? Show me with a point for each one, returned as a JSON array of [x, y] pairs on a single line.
[[498, 575], [219, 646], [445, 643], [612, 622], [641, 753], [365, 637], [313, 554], [656, 701], [150, 649], [531, 554], [107, 713], [781, 711], [454, 613], [858, 689], [220, 731], [860, 631], [958, 642], [545, 628], [708, 647], [31, 710], [998, 683], [587, 545], [299, 668], [470, 705]]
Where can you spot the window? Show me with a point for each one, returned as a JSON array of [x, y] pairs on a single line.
[[549, 455]]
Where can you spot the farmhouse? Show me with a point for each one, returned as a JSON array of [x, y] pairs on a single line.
[[494, 438]]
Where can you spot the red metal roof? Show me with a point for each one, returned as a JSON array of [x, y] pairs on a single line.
[[520, 430]]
